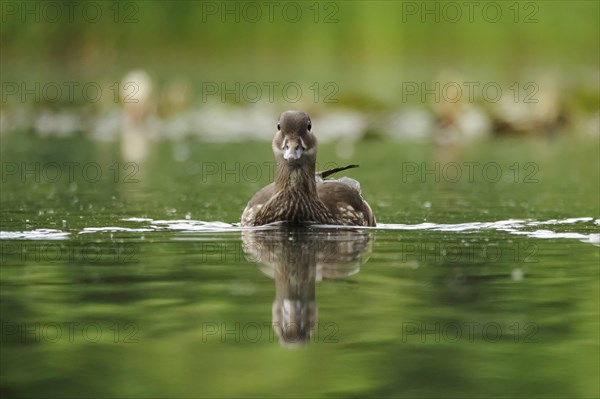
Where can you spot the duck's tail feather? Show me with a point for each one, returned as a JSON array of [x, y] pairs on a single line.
[[325, 173]]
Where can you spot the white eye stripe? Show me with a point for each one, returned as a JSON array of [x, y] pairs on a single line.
[[303, 144], [285, 144]]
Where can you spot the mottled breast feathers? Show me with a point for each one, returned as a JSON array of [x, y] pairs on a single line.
[[341, 198]]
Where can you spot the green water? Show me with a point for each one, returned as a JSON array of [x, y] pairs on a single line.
[[165, 305]]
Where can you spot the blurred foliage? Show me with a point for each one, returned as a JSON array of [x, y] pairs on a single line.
[[360, 54], [369, 46]]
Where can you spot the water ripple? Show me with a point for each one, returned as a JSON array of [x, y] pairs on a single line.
[[511, 226], [37, 234]]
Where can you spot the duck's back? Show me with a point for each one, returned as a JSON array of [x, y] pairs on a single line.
[[343, 198]]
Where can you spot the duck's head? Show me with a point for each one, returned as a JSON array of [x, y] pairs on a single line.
[[294, 143]]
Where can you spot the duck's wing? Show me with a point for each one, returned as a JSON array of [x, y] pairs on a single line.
[[343, 198], [256, 203]]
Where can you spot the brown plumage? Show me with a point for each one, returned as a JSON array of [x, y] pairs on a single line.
[[299, 195]]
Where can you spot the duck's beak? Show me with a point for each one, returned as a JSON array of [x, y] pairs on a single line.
[[293, 152], [292, 311]]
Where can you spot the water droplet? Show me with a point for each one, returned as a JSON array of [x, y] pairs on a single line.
[[517, 274]]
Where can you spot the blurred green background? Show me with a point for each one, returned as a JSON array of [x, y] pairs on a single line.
[[375, 42], [367, 49]]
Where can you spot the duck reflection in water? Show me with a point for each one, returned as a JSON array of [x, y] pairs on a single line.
[[296, 258]]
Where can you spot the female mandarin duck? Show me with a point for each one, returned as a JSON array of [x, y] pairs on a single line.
[[299, 195]]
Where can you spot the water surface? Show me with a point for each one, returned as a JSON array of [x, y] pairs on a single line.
[[141, 283]]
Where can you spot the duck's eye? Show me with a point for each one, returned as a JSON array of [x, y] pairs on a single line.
[[309, 126], [278, 126]]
